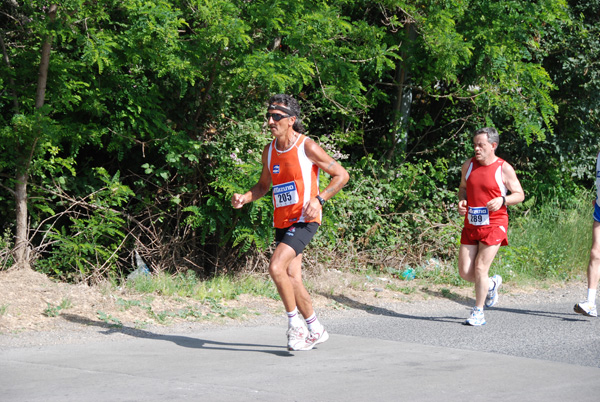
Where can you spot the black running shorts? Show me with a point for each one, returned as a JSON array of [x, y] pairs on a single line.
[[297, 236]]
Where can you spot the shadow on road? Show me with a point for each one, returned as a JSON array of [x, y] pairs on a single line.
[[184, 341], [346, 301], [468, 302], [462, 300], [569, 317]]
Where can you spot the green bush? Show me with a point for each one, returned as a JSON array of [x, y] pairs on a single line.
[[6, 244], [406, 209], [549, 243], [89, 246]]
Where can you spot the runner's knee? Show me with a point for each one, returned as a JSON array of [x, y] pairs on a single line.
[[480, 270], [595, 253], [295, 278], [467, 276], [277, 270]]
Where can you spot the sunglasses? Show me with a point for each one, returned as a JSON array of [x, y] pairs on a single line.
[[276, 116]]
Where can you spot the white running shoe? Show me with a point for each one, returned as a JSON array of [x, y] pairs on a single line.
[[492, 296], [476, 319], [586, 308], [296, 338], [314, 338]]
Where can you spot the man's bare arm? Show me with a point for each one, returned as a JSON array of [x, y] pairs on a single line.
[[259, 189]]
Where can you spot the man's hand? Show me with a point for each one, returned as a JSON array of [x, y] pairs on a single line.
[[495, 204], [312, 209], [238, 200], [462, 207]]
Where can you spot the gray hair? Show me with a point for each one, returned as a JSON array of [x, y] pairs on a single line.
[[492, 134], [293, 106]]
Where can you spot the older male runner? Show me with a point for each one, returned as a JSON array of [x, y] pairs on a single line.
[[483, 199], [291, 162]]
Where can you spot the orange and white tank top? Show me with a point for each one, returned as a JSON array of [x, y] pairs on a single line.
[[295, 181], [484, 183]]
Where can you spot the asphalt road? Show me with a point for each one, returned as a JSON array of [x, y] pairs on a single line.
[[526, 352], [547, 330]]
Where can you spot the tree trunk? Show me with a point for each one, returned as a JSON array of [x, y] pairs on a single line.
[[402, 100], [40, 94], [22, 247], [11, 81], [22, 250]]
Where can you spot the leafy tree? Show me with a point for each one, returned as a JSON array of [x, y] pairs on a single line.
[[29, 133], [153, 116], [92, 92], [573, 62]]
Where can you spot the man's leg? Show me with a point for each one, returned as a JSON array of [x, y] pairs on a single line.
[[302, 298], [278, 269], [481, 267], [286, 271], [316, 332], [282, 259], [466, 261], [593, 271], [588, 307], [474, 263]]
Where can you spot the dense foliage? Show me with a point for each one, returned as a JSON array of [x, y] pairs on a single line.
[[152, 118]]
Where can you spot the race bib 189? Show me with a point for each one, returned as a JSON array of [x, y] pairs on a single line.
[[285, 194], [479, 216]]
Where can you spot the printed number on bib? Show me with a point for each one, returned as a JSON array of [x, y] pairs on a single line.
[[285, 194], [479, 216]]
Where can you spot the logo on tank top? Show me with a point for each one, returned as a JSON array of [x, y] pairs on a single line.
[[275, 169]]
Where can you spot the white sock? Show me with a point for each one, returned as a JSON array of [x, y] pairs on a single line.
[[592, 296], [294, 319], [313, 323]]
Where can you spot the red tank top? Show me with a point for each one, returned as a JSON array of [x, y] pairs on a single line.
[[295, 181], [483, 184]]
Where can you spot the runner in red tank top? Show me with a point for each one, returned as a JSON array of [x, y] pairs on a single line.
[[484, 183], [291, 163], [483, 198]]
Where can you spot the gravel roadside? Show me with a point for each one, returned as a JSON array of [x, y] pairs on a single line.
[[27, 295]]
